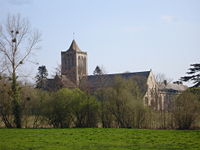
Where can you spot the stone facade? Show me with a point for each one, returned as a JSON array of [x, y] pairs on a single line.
[[167, 91], [74, 74], [74, 63]]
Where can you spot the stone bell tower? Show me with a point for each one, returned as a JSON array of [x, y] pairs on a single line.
[[74, 63]]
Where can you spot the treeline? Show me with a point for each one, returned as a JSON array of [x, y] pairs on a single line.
[[119, 106]]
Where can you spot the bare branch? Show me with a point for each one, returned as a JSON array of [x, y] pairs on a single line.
[[33, 41], [17, 41]]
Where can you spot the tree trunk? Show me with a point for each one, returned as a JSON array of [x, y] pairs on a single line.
[[15, 102]]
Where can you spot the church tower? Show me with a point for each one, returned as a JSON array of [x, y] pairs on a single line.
[[74, 63]]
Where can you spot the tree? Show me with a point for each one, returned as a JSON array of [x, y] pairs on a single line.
[[85, 109], [121, 104], [41, 77], [57, 109], [58, 70], [196, 92], [186, 110], [103, 96], [162, 79], [126, 97], [67, 108], [193, 75], [5, 103], [98, 71], [31, 103], [17, 42]]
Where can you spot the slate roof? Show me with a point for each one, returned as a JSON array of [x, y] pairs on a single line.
[[106, 80], [59, 82], [171, 87], [74, 47]]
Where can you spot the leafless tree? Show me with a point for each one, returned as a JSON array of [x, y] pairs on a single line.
[[162, 112], [161, 78], [17, 41], [186, 110], [58, 70]]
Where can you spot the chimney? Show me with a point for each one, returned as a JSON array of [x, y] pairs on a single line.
[[165, 82]]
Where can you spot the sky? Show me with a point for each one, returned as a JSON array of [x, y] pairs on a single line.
[[119, 35]]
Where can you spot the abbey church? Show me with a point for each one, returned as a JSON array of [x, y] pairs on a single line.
[[74, 63], [74, 74]]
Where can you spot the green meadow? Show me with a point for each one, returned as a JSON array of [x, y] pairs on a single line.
[[98, 139]]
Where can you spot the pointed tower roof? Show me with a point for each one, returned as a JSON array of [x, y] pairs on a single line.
[[74, 46]]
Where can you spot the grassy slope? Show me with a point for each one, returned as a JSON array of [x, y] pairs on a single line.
[[98, 139]]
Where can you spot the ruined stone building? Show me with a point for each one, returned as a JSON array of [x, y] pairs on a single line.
[[74, 74]]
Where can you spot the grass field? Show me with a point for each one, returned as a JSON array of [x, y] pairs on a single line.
[[98, 139]]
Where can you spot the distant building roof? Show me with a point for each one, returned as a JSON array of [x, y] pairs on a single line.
[[172, 87], [59, 82], [106, 80], [74, 46]]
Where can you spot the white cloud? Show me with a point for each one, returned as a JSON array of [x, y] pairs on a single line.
[[168, 19]]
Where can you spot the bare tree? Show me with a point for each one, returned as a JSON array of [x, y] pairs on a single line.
[[161, 79], [17, 41], [186, 110], [58, 70], [160, 104]]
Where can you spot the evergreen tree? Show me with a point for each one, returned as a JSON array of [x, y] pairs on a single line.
[[98, 71], [41, 77], [193, 75]]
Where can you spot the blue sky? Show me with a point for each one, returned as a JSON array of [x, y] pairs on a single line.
[[120, 35]]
